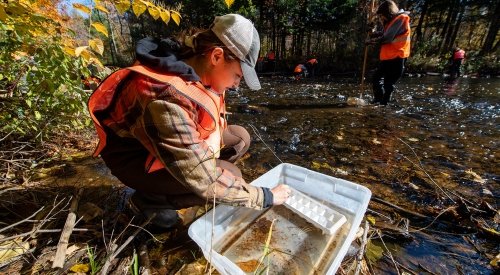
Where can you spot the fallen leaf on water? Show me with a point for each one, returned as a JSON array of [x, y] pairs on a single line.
[[373, 252], [413, 139], [494, 261], [371, 219], [475, 176]]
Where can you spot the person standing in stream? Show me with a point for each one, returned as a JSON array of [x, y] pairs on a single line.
[[394, 50], [162, 125]]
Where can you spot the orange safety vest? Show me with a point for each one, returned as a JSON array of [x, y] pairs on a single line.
[[312, 61], [400, 45], [298, 68], [210, 127]]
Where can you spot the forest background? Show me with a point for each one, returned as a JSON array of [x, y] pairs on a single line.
[[50, 49]]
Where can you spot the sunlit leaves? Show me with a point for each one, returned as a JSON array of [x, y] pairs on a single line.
[[122, 5], [69, 50], [79, 50], [101, 8], [154, 12], [229, 3], [176, 16], [100, 28], [82, 8], [139, 7], [97, 45], [3, 14], [165, 16], [17, 8]]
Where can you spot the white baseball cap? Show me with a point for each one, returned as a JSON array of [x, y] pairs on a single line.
[[242, 39]]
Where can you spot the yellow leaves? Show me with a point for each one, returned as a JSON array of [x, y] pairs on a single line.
[[80, 50], [165, 16], [97, 45], [13, 248], [101, 8], [229, 3], [81, 8], [69, 50], [100, 28], [3, 14], [80, 268], [16, 8], [371, 219], [176, 16], [154, 11], [139, 7], [122, 5]]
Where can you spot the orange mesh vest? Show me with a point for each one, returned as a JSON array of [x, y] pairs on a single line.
[[210, 103], [400, 45], [298, 69]]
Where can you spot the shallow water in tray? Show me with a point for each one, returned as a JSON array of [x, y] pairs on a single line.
[[295, 246]]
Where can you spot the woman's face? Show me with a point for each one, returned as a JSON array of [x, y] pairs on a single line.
[[223, 73]]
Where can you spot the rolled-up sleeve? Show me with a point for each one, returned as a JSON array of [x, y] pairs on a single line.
[[171, 128]]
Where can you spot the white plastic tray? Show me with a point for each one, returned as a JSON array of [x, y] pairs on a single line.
[[212, 230], [315, 212]]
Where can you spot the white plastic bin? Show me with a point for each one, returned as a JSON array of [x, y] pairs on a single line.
[[225, 233]]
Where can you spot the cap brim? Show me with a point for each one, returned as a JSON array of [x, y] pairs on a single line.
[[250, 76]]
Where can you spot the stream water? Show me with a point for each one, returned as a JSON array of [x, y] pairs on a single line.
[[435, 145], [437, 135]]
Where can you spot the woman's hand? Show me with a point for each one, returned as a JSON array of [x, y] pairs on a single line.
[[280, 194]]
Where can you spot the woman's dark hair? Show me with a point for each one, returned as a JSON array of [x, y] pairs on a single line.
[[389, 9], [198, 42]]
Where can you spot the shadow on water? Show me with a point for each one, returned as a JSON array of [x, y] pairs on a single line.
[[436, 133]]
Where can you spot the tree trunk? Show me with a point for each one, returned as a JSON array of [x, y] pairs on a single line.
[[457, 26], [492, 31], [418, 31], [446, 34]]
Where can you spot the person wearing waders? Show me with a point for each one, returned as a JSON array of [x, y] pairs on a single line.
[[394, 49], [457, 57], [162, 126], [311, 66]]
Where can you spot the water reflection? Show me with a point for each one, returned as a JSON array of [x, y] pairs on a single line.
[[450, 86]]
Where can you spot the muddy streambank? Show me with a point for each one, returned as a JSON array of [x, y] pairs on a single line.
[[430, 159]]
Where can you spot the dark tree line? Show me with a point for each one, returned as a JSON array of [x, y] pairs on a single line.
[[334, 30]]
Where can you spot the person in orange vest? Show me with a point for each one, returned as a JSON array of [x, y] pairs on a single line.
[[271, 61], [300, 71], [457, 58], [394, 49], [311, 66], [162, 127]]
